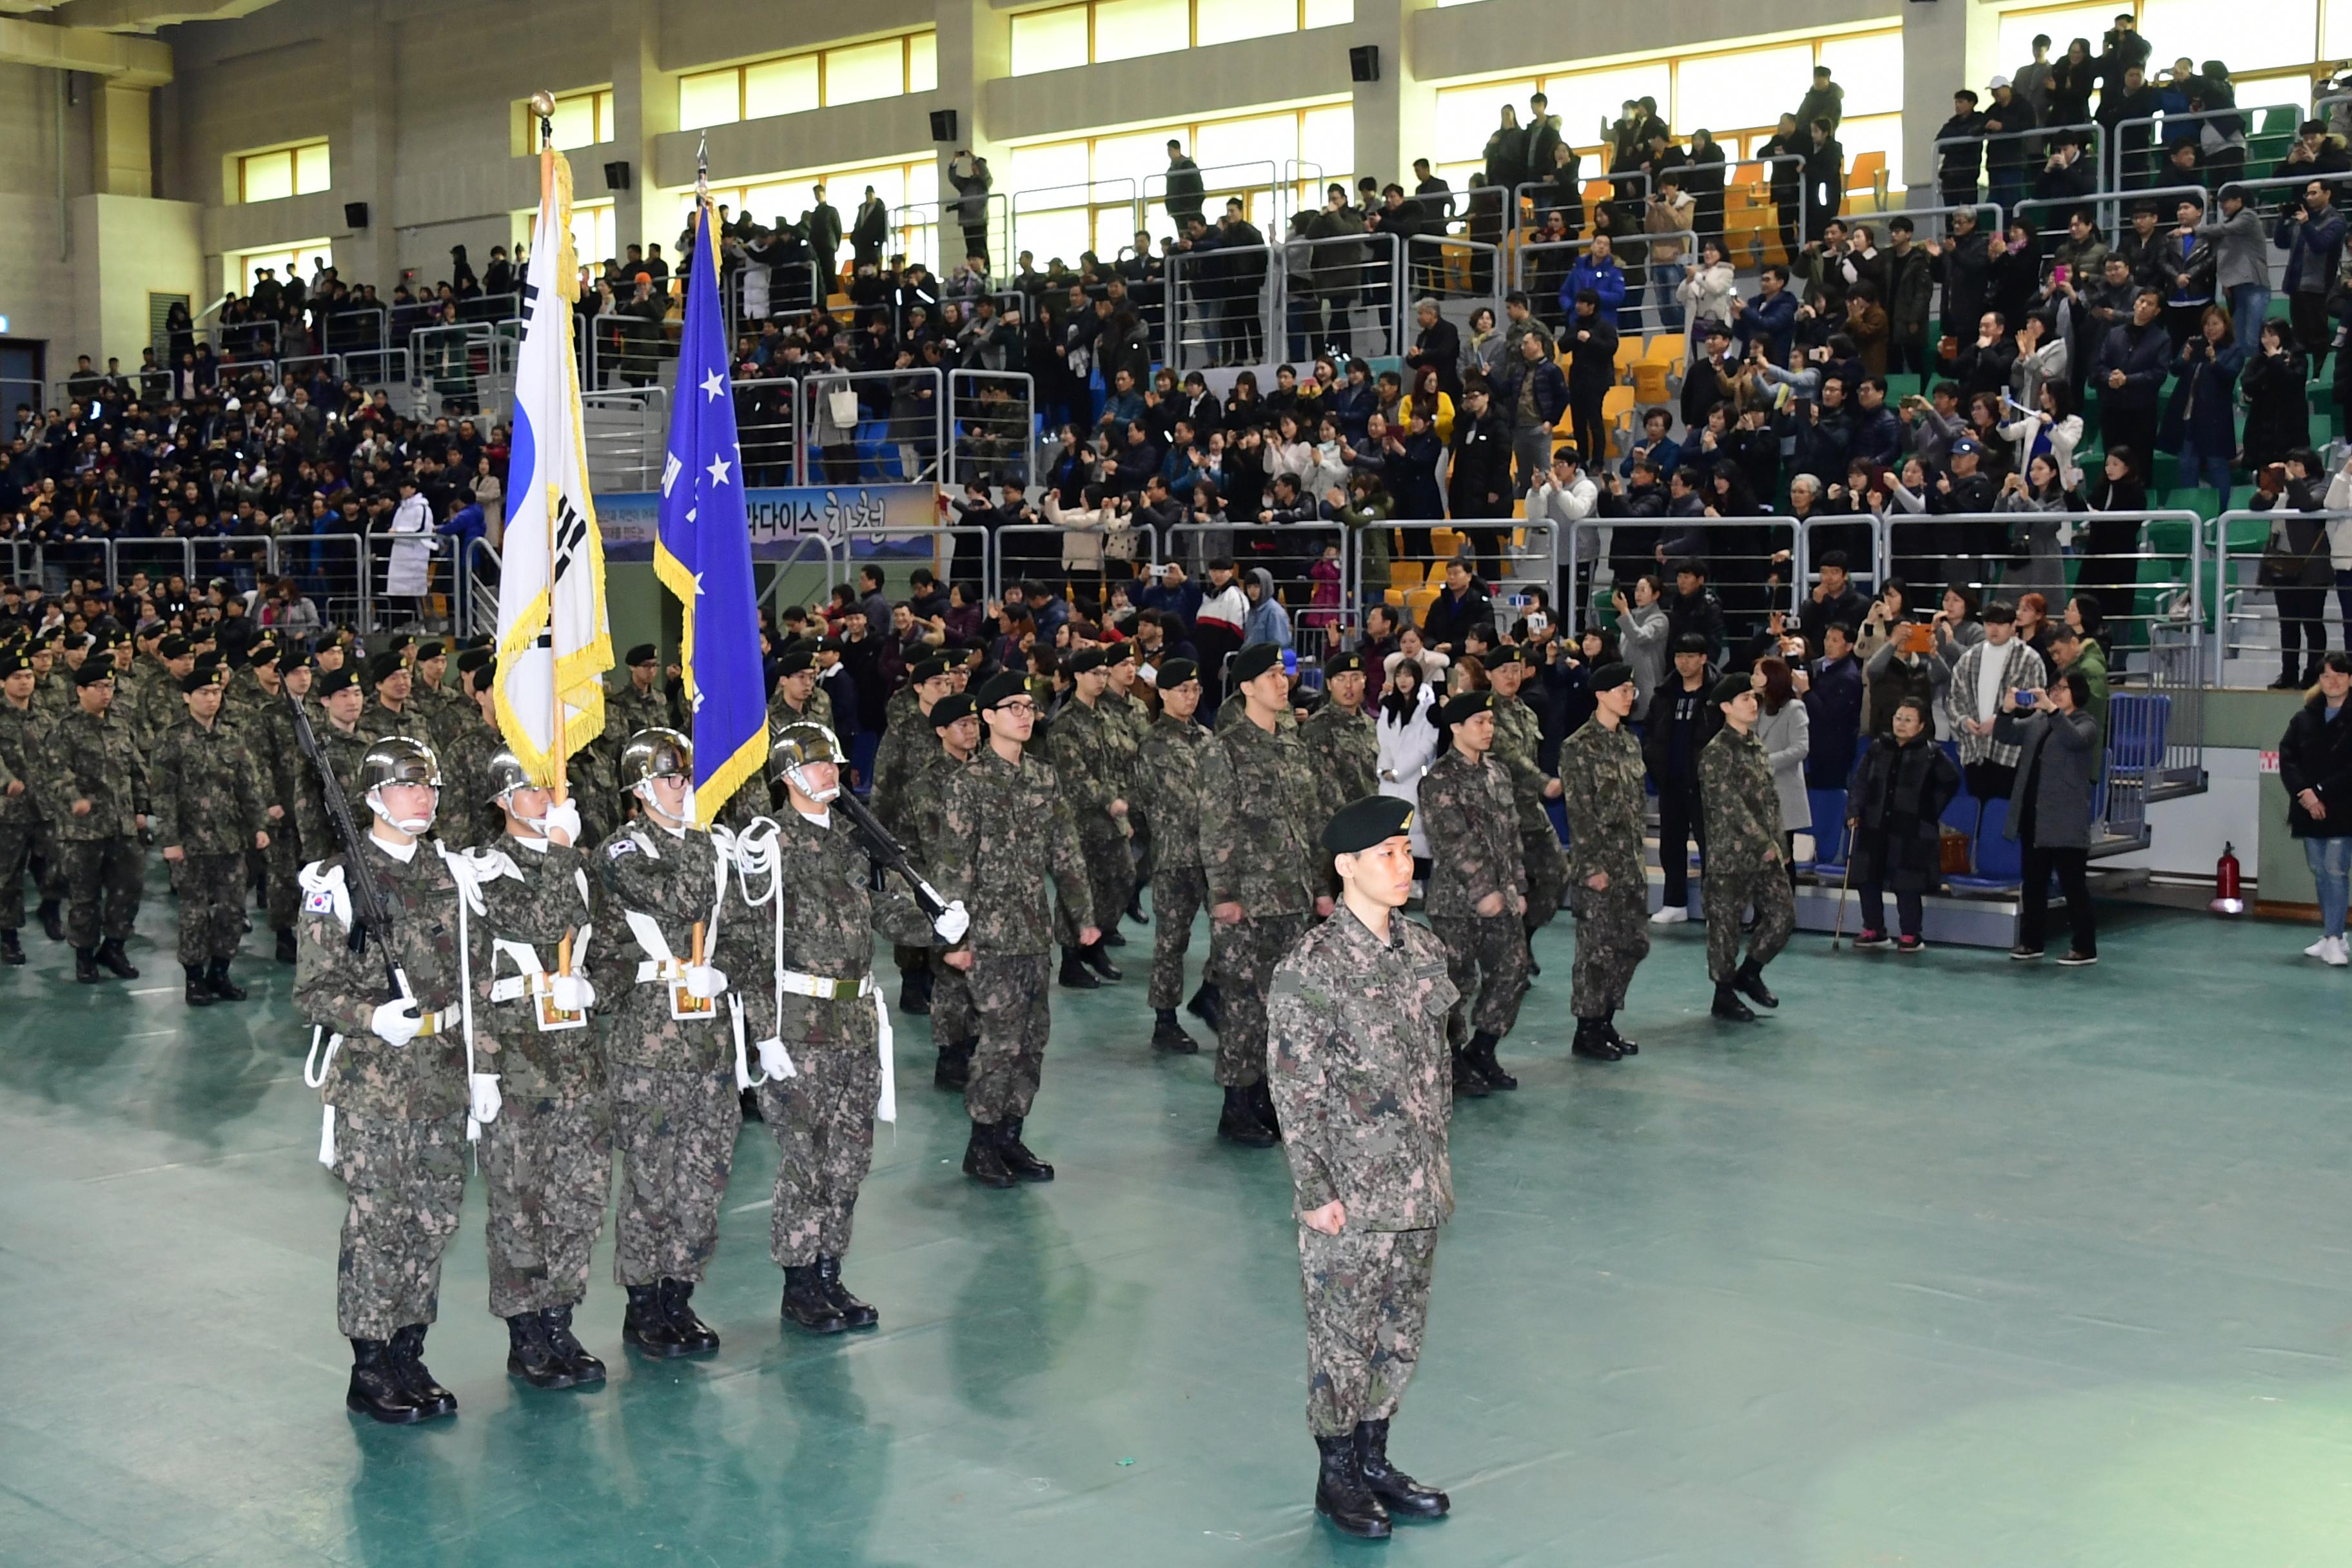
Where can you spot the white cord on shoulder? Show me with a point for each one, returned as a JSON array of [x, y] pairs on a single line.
[[759, 852]]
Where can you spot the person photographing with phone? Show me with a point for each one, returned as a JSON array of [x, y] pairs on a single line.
[[2056, 745]]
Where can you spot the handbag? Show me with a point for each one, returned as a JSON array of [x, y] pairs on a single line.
[[2283, 568], [841, 406], [1952, 852]]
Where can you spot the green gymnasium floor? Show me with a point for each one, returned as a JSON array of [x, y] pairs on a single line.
[[1952, 1263]]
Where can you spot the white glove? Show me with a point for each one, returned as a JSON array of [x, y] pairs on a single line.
[[397, 1022], [572, 994], [563, 820], [703, 982], [486, 1095], [953, 923], [774, 1061]]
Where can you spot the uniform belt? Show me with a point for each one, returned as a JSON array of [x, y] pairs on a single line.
[[660, 971], [825, 990], [436, 1022], [513, 988]]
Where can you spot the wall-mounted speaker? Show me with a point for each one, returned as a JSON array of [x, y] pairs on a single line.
[[355, 215], [1364, 63], [943, 124], [617, 177]]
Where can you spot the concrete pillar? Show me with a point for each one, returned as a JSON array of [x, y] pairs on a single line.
[[645, 105], [975, 45], [1933, 37], [120, 158], [1395, 114], [364, 158]]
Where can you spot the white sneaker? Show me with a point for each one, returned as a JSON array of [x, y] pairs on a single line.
[[2339, 953], [2319, 949], [1672, 914]]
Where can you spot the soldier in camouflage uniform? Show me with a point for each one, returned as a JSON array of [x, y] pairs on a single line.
[[1357, 1018], [1518, 742], [48, 852], [668, 1047], [55, 692], [1478, 889], [436, 706], [278, 760], [1342, 738], [94, 789], [797, 699], [342, 745], [1169, 778], [1743, 856], [1132, 723], [818, 1025], [955, 1029], [909, 744], [1259, 802], [474, 741], [1601, 776], [1004, 830], [396, 1080], [157, 706], [20, 760], [547, 1160], [639, 704], [208, 810], [1088, 753], [391, 712]]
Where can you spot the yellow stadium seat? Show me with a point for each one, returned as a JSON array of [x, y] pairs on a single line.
[[1867, 177], [1418, 601], [1444, 543], [1406, 575], [1662, 348], [1629, 352], [1650, 382], [1395, 596], [1519, 507]]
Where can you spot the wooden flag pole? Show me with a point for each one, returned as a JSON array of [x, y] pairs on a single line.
[[542, 104]]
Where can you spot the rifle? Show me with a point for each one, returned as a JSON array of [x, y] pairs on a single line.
[[886, 852], [373, 914]]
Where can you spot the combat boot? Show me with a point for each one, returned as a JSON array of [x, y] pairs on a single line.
[[1593, 1040], [1398, 1492], [1467, 1079], [1018, 1164], [196, 993], [677, 1306], [530, 1358], [855, 1312], [749, 1100], [1134, 911], [285, 947], [376, 1387], [1111, 937], [225, 988], [11, 951], [1075, 973], [1341, 1494], [954, 1071], [1097, 958], [1207, 1004], [1262, 1101], [86, 966], [584, 1368], [1749, 982], [1609, 1032], [1534, 970], [981, 1160], [1167, 1034], [915, 992], [1481, 1053], [1239, 1125], [408, 1350], [645, 1326], [805, 1303], [52, 925], [1729, 1007], [111, 957]]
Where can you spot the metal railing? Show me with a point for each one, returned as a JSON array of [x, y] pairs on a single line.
[[1082, 197], [759, 292], [881, 438], [2114, 171], [1223, 307], [1216, 185], [1524, 554], [481, 598], [1044, 552], [2247, 627], [916, 227], [330, 571], [626, 434], [991, 426], [350, 327], [2020, 169], [1340, 293], [1542, 270], [1461, 275]]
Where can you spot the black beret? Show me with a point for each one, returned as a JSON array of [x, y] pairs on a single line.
[[828, 645], [1361, 824], [1511, 653], [50, 639], [1256, 660], [436, 648], [1730, 688], [1118, 653], [1466, 705], [10, 662], [641, 654], [482, 674], [384, 666], [1610, 677], [1343, 664], [264, 654], [400, 642], [1692, 642], [93, 671], [1085, 659], [481, 639], [335, 680], [474, 658], [929, 669], [203, 675], [794, 662], [1176, 672], [1001, 690], [949, 709]]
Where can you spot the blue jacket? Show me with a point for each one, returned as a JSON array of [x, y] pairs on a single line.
[[1877, 436], [1608, 280], [2204, 400], [1551, 389], [1773, 318], [2144, 356], [2318, 244]]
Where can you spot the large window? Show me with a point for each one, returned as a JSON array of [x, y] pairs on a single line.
[[1098, 30], [294, 259], [820, 79], [1085, 195], [582, 119], [296, 171], [908, 184], [1736, 92], [2275, 49]]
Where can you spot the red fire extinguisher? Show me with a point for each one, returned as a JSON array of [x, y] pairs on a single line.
[[2227, 900]]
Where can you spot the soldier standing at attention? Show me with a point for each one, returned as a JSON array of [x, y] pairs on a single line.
[[20, 752], [639, 704], [390, 712], [1742, 810], [476, 814], [547, 1160], [436, 706], [1600, 774], [1258, 801], [94, 790], [1169, 780], [1086, 752], [818, 1026], [797, 700], [909, 744], [668, 1047], [1357, 1018], [342, 747], [278, 760], [1518, 740], [1478, 889], [396, 1081], [955, 724], [209, 810], [1342, 738], [1005, 831]]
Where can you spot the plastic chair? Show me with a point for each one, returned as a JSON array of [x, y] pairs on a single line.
[[1629, 354], [1407, 573], [1418, 601], [2000, 859], [1650, 382], [1444, 543]]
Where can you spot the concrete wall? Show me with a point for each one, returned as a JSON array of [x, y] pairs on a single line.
[[38, 289]]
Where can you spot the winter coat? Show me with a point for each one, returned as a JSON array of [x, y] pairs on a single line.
[[2278, 413], [1786, 739], [1897, 804], [2203, 409], [1407, 747], [1642, 637], [2316, 754], [2056, 755]]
